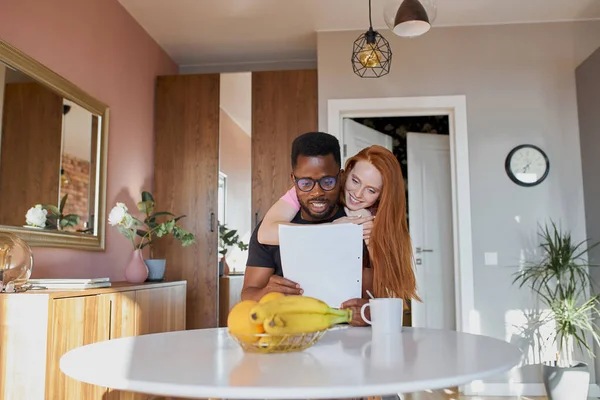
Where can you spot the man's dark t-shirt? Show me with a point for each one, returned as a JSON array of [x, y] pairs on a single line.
[[268, 256]]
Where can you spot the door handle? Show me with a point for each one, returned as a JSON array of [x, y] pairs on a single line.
[[420, 250], [212, 221], [256, 219]]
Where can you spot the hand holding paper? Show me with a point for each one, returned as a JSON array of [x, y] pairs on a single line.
[[325, 260]]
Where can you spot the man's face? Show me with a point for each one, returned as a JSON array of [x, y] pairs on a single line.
[[317, 204]]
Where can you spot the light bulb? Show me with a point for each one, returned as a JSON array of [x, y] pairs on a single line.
[[370, 57]]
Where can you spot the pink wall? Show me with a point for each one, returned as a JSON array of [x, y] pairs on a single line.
[[98, 46]]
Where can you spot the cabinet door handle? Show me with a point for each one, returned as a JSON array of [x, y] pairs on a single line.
[[256, 219], [212, 221]]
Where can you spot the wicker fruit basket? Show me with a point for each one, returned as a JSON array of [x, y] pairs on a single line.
[[265, 343]]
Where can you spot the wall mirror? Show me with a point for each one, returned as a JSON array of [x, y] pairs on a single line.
[[235, 171], [53, 143]]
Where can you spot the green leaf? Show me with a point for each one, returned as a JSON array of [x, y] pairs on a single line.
[[146, 206], [141, 233], [63, 202], [147, 196], [53, 209], [161, 213]]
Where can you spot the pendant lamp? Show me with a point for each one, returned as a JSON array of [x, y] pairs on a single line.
[[410, 18], [371, 54]]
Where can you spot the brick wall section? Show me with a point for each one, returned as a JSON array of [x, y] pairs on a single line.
[[78, 172]]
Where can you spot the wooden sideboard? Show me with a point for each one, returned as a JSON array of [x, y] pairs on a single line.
[[230, 293], [39, 326]]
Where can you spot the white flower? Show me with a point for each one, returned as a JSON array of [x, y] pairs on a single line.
[[36, 216], [118, 215]]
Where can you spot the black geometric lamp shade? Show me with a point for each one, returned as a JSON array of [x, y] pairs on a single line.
[[371, 55]]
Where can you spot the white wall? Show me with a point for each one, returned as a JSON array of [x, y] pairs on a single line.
[[588, 99], [519, 81], [78, 132]]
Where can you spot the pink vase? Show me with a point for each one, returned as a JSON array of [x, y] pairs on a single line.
[[136, 271]]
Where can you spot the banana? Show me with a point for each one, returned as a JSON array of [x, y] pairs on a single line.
[[291, 304], [282, 324]]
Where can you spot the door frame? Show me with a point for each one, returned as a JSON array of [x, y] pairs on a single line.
[[455, 107]]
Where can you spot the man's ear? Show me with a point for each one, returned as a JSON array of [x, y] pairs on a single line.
[[292, 179]]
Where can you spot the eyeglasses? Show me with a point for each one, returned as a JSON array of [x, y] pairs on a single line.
[[326, 183]]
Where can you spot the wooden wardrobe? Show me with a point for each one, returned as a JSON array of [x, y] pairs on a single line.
[[284, 105]]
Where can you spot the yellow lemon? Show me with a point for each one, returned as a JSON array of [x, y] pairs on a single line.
[[270, 296], [239, 322]]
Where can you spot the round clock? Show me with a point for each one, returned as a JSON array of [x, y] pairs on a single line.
[[527, 165]]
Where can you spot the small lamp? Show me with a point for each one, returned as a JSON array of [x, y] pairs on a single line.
[[371, 54], [411, 19]]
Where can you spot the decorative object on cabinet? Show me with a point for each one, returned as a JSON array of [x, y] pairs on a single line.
[[65, 319], [148, 230], [34, 119], [48, 216], [562, 282], [371, 54], [16, 262], [227, 239], [410, 18], [136, 270], [527, 165]]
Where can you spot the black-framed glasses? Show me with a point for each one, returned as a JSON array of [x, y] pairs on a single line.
[[327, 183]]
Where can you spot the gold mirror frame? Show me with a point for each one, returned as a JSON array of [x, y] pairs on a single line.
[[42, 238]]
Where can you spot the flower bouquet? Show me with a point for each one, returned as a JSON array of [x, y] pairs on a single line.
[[144, 232]]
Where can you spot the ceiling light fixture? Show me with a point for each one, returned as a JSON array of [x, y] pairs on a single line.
[[411, 18], [372, 54]]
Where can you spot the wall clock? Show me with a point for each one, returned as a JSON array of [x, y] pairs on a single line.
[[527, 165]]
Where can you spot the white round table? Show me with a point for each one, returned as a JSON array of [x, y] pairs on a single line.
[[348, 362]]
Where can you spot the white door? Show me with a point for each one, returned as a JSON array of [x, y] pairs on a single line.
[[358, 136], [430, 224]]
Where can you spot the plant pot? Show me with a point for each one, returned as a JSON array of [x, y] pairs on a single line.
[[136, 271], [156, 270], [566, 383]]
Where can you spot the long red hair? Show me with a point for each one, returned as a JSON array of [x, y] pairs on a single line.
[[390, 248]]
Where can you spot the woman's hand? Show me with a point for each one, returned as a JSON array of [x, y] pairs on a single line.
[[355, 305], [365, 221]]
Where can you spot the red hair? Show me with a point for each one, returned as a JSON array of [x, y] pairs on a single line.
[[390, 248]]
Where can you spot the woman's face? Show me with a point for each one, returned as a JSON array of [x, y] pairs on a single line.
[[363, 186]]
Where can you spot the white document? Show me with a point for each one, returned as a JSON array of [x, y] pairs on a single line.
[[325, 260]]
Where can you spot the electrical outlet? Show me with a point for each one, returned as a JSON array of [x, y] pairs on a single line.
[[491, 258]]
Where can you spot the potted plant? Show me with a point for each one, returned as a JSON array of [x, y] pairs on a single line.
[[48, 216], [227, 239], [143, 233], [562, 282]]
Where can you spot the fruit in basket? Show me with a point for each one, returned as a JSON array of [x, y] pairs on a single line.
[[270, 296], [292, 304], [239, 322], [296, 323]]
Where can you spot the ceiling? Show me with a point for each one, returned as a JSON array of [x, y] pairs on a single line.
[[221, 32]]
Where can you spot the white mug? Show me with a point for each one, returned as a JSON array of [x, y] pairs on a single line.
[[386, 315]]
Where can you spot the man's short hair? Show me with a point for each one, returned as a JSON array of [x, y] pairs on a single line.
[[314, 144]]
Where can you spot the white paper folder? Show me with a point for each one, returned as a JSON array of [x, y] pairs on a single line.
[[325, 260]]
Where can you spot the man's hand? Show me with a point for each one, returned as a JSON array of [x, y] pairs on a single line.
[[259, 281], [365, 221], [282, 285], [355, 305]]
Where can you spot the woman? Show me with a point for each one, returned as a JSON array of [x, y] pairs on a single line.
[[373, 185]]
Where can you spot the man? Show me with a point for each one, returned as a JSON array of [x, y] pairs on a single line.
[[316, 175]]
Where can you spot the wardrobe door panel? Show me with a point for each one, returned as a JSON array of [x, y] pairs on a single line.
[[186, 179], [284, 105]]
